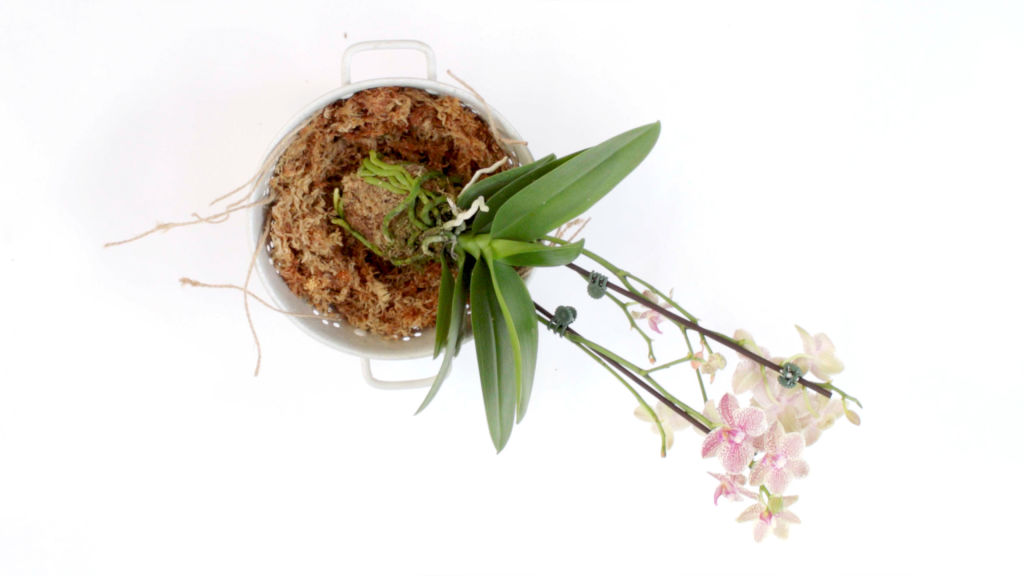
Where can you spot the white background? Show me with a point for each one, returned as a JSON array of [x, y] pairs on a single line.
[[852, 167]]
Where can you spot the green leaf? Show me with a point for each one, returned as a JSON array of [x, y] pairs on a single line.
[[444, 308], [572, 188], [482, 220], [466, 264], [517, 305], [494, 356], [488, 186], [518, 253], [453, 334]]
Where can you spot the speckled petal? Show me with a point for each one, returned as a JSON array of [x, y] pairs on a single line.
[[752, 421], [798, 468], [758, 474], [712, 442], [753, 512], [792, 445], [760, 530], [736, 457], [778, 480], [727, 408]]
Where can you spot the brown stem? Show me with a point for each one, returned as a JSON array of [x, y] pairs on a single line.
[[629, 374], [720, 338]]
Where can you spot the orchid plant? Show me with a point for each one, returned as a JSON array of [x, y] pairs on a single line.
[[503, 223]]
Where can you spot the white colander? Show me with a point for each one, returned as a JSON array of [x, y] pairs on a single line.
[[336, 334]]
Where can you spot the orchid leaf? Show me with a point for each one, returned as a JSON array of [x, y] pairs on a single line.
[[482, 221], [466, 263], [517, 306], [572, 188], [453, 333], [444, 308], [534, 254], [488, 186], [495, 356]]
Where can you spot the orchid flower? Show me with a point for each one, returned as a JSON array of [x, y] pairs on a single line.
[[711, 365], [825, 413], [749, 375], [731, 486], [653, 317], [771, 514], [819, 357], [733, 441], [781, 461]]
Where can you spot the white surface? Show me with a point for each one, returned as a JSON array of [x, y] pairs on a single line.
[[852, 167]]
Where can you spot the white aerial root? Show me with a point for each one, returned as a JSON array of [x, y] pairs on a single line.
[[236, 206], [478, 205], [484, 171]]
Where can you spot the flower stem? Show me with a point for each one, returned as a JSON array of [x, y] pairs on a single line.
[[720, 338], [686, 358], [829, 386], [632, 322], [625, 277], [643, 403], [689, 414]]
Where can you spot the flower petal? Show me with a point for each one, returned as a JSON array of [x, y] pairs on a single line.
[[712, 443], [745, 377], [823, 345], [736, 457], [778, 480], [826, 365], [652, 322], [760, 530], [727, 407], [789, 517], [808, 340], [746, 340], [747, 493], [642, 413], [753, 512], [811, 435], [792, 445], [670, 419], [798, 468], [751, 420], [758, 473], [711, 413], [773, 438]]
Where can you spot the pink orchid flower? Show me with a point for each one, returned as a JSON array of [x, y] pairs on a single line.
[[731, 486], [733, 441], [771, 514], [653, 317], [781, 461]]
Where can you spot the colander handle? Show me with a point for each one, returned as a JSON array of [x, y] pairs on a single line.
[[393, 384], [346, 58]]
